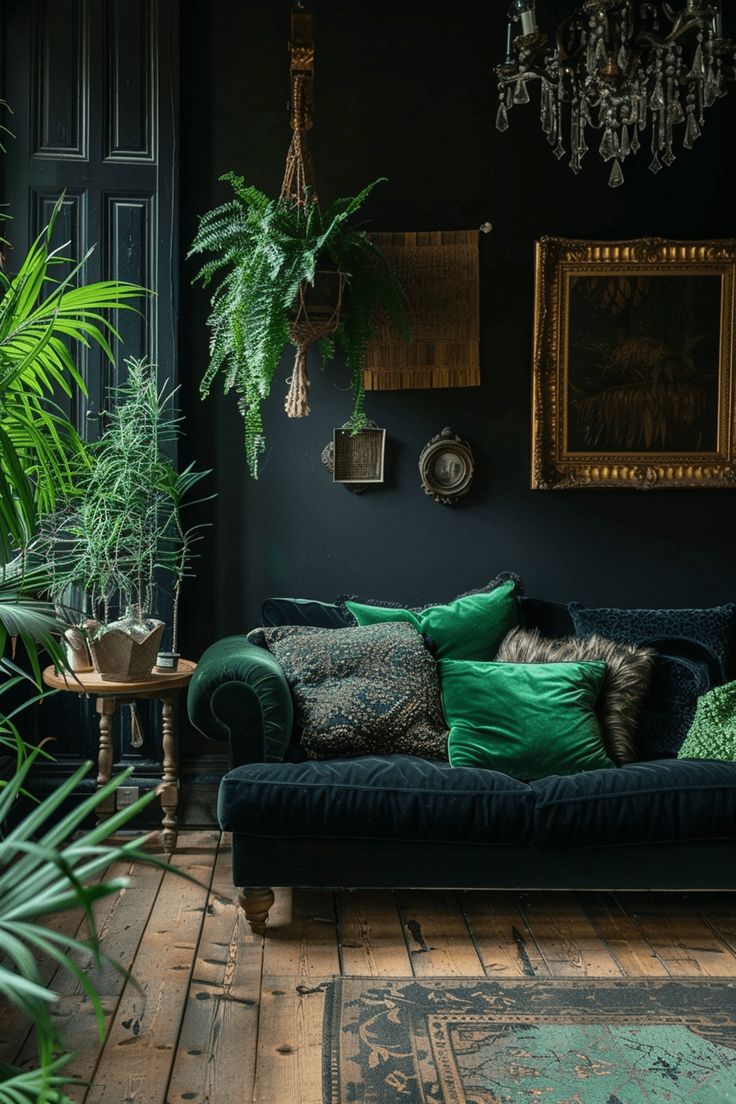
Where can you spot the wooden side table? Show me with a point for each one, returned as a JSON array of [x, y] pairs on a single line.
[[163, 686]]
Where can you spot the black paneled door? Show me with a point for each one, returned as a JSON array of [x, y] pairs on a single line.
[[93, 87]]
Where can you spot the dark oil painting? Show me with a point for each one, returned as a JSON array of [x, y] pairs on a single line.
[[643, 363]]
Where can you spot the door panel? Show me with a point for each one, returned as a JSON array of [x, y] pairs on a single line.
[[93, 86]]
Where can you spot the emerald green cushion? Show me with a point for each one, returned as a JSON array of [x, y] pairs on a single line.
[[471, 627], [528, 720], [712, 734]]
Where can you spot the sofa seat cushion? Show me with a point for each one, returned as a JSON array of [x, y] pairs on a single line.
[[655, 802], [392, 797]]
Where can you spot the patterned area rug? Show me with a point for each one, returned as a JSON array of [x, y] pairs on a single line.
[[531, 1041]]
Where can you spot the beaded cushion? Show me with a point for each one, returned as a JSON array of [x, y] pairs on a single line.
[[361, 691]]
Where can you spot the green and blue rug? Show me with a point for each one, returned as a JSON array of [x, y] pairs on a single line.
[[531, 1041]]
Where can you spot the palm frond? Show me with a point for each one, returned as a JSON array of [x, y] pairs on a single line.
[[43, 321]]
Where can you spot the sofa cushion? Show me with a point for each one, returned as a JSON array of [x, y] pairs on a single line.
[[713, 731], [656, 802], [471, 627], [359, 691], [527, 720], [551, 618], [715, 628], [392, 797], [628, 674], [379, 603], [304, 611], [668, 709]]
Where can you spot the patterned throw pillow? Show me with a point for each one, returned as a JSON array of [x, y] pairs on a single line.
[[361, 691], [628, 673], [715, 628]]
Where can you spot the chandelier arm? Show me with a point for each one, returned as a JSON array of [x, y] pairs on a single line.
[[525, 75], [562, 53]]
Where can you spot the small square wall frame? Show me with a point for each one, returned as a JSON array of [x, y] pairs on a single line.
[[359, 457]]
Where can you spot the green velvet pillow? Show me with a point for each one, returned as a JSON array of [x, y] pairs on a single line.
[[527, 720], [712, 734], [471, 627]]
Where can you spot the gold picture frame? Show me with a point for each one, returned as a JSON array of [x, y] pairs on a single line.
[[633, 377]]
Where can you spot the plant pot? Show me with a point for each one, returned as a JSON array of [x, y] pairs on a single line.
[[314, 315], [320, 303], [77, 651], [121, 656], [167, 661]]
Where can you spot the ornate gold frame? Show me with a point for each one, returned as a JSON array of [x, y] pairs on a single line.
[[553, 467]]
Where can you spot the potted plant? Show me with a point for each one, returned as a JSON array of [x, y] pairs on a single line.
[[49, 862], [121, 531], [269, 258]]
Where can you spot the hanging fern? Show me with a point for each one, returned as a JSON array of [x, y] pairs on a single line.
[[263, 250]]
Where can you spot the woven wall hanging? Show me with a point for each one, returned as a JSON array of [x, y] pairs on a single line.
[[439, 272]]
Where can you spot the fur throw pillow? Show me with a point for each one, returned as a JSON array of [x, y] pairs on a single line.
[[628, 673], [361, 691]]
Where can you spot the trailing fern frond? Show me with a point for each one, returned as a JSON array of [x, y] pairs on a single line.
[[261, 252]]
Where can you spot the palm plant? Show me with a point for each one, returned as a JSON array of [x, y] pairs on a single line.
[[46, 867], [45, 313], [265, 253]]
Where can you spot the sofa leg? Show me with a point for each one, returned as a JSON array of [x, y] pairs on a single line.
[[255, 903]]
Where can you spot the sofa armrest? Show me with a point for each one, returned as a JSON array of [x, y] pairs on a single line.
[[239, 694]]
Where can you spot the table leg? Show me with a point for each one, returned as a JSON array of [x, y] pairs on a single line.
[[105, 708], [170, 780]]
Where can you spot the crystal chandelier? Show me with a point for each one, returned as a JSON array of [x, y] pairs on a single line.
[[621, 67]]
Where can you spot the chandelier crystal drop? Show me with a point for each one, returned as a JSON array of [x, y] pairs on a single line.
[[640, 72]]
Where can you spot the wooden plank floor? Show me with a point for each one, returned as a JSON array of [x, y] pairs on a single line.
[[217, 1015]]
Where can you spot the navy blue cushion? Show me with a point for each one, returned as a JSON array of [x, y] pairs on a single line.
[[551, 618], [304, 611], [714, 628], [669, 800], [396, 797], [668, 709]]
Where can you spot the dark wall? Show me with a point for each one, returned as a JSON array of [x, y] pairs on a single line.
[[407, 91]]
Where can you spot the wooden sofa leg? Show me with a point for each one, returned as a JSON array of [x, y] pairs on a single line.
[[255, 903]]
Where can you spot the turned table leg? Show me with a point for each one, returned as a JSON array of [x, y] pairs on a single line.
[[170, 779], [256, 903], [105, 708]]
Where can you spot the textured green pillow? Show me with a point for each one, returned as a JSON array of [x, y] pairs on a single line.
[[712, 734], [525, 720], [471, 627]]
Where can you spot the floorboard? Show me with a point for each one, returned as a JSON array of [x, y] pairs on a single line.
[[683, 940], [136, 1059], [437, 935], [371, 935], [567, 940], [504, 944], [225, 1017], [216, 1053]]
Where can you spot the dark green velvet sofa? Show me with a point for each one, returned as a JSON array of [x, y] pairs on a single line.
[[400, 821]]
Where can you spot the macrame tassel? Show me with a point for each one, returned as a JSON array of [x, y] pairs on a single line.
[[136, 732], [297, 400]]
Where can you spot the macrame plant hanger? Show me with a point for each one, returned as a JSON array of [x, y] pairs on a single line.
[[310, 321]]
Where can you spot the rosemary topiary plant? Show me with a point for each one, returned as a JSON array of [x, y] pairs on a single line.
[[122, 524], [265, 252]]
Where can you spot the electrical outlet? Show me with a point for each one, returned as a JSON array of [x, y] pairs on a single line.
[[127, 795]]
